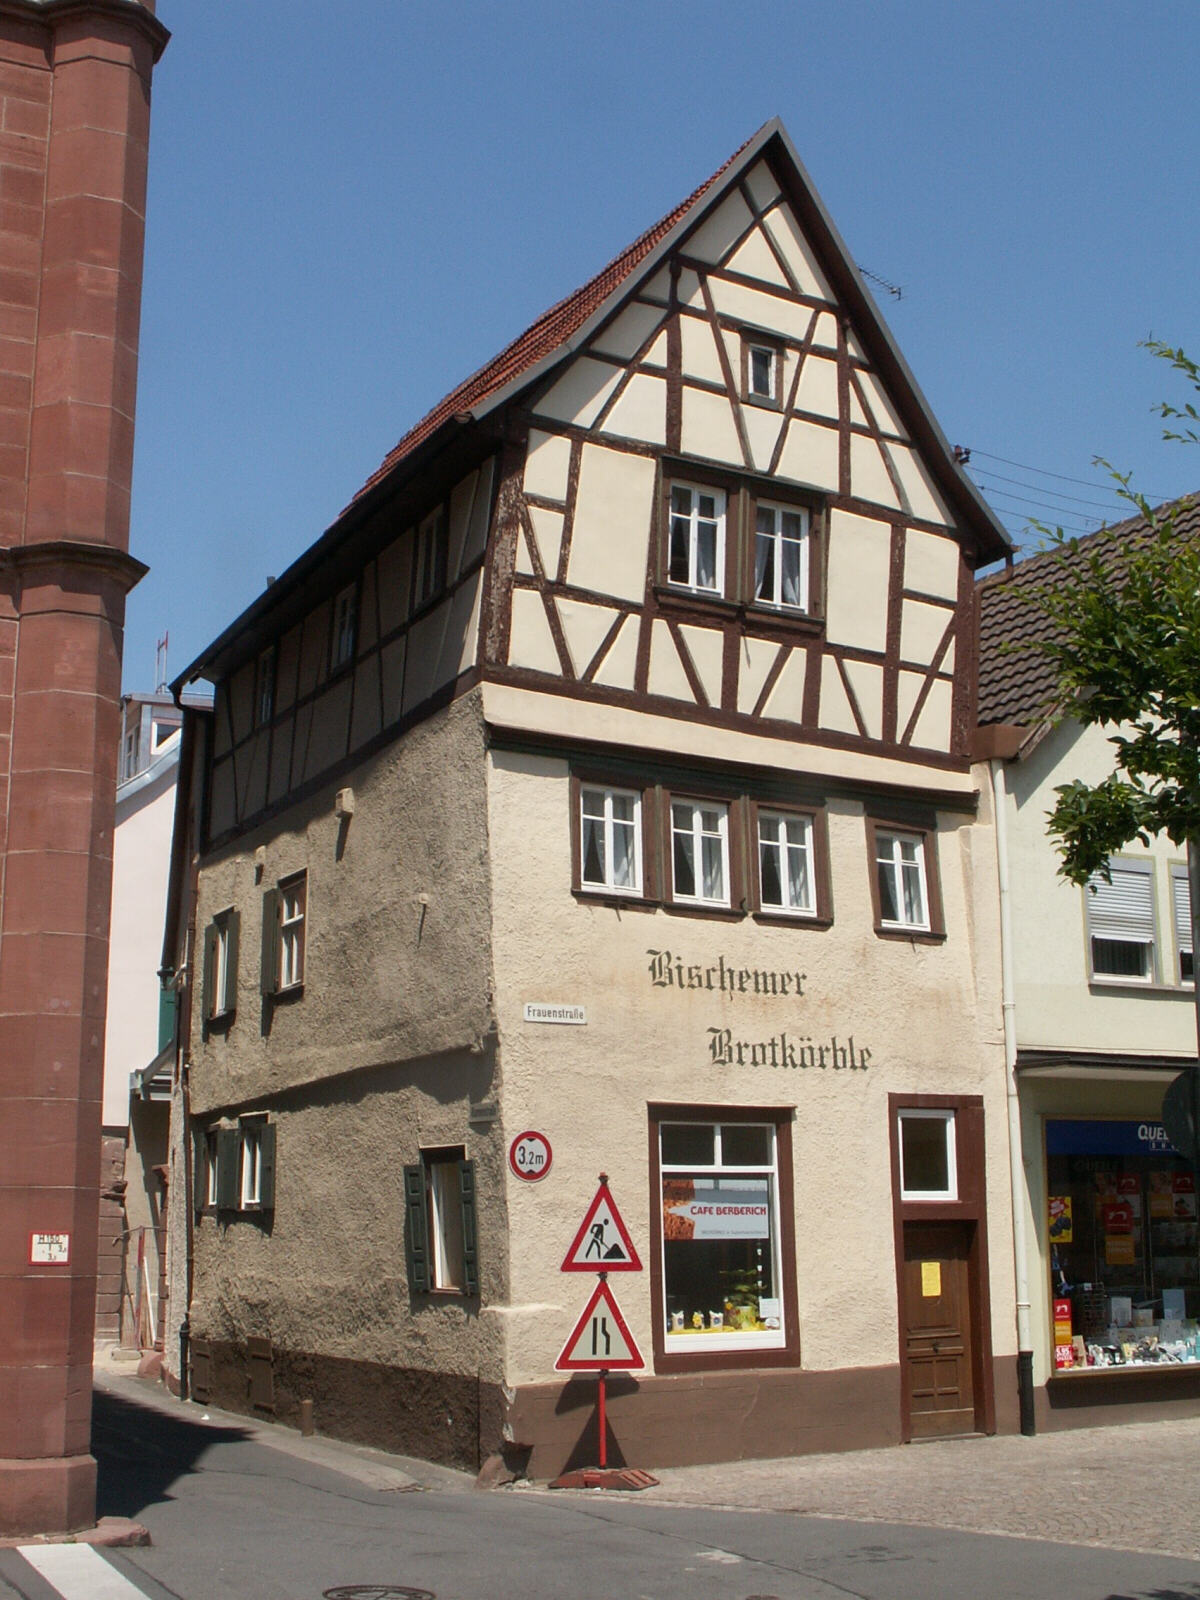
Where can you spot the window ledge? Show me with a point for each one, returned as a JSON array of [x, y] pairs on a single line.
[[682, 908], [911, 935], [283, 996], [1128, 986], [608, 897], [792, 919], [680, 594]]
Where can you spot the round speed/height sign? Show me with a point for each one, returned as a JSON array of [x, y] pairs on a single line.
[[529, 1156]]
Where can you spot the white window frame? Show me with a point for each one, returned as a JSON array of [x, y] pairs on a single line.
[[779, 823], [696, 832], [250, 1165], [609, 824], [220, 966], [771, 392], [948, 1118], [1122, 912], [893, 863], [778, 539], [682, 1343], [293, 916], [345, 620], [211, 1161], [1181, 915], [425, 559], [691, 518]]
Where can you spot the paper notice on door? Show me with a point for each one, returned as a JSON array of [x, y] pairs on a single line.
[[931, 1279]]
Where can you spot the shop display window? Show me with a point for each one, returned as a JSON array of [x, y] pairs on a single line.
[[720, 1233], [1124, 1246]]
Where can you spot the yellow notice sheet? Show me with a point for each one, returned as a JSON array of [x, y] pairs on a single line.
[[931, 1279]]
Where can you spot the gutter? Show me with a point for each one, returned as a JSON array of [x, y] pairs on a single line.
[[1016, 1166]]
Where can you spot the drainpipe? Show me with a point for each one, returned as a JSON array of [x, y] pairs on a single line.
[[1008, 1006]]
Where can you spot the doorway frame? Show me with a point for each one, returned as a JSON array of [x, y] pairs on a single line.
[[969, 1209]]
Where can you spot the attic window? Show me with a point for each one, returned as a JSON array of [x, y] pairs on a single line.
[[760, 371]]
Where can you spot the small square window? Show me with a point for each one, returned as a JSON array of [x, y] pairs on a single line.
[[928, 1161], [700, 852], [610, 834], [696, 538]]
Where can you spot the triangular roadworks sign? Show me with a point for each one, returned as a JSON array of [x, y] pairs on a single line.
[[600, 1341], [602, 1243]]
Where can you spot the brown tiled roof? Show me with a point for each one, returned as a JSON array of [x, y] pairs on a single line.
[[544, 336], [1017, 683]]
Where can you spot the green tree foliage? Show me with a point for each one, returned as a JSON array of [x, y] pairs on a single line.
[[1125, 646]]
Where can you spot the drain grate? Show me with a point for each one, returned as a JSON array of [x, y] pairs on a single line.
[[376, 1591]]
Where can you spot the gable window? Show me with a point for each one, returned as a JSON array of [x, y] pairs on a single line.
[[696, 546], [1120, 922], [900, 876], [440, 1234], [610, 839], [285, 909], [429, 560], [781, 560], [700, 852], [264, 688], [786, 875], [928, 1162], [719, 1275], [341, 639], [1181, 908], [219, 988]]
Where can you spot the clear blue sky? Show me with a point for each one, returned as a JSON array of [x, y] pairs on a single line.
[[351, 207]]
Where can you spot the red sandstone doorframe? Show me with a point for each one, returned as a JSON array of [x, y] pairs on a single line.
[[954, 1234]]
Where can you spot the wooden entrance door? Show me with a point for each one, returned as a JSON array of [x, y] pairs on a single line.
[[936, 1312]]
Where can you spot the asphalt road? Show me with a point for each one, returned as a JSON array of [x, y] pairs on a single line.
[[234, 1517]]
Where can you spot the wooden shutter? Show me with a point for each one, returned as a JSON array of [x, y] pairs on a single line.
[[207, 999], [227, 1169], [168, 1001], [470, 1261], [416, 1230], [269, 980], [232, 924], [266, 1148]]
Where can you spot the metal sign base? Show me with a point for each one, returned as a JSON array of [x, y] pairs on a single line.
[[605, 1478]]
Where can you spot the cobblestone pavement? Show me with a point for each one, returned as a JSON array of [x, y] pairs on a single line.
[[1132, 1487]]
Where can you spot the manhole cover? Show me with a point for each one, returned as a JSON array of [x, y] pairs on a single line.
[[377, 1591]]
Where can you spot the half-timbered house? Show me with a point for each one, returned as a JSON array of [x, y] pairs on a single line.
[[603, 774]]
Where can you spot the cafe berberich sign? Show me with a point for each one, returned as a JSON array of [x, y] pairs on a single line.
[[786, 1051]]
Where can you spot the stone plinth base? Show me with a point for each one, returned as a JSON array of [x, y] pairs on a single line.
[[56, 1495]]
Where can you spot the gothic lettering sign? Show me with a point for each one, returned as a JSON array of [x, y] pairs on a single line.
[[786, 1050]]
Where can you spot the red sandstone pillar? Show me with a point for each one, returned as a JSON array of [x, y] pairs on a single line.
[[74, 123]]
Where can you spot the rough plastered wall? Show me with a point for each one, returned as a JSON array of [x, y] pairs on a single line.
[[387, 1049], [928, 1014]]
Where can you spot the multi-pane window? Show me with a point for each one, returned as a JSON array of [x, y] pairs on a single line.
[[781, 557], [700, 851], [900, 874], [1181, 909], [611, 840], [720, 1237], [1120, 922], [928, 1162], [293, 896], [220, 965], [696, 551], [341, 645], [250, 1166], [785, 863]]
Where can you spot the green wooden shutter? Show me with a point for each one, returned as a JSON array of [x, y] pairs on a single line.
[[227, 1169], [231, 959], [416, 1231], [267, 1166], [269, 980], [207, 998], [466, 1189], [199, 1168], [168, 1001]]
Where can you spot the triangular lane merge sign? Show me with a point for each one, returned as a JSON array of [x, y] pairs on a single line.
[[602, 1243], [600, 1341]]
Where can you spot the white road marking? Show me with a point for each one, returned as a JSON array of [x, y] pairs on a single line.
[[79, 1573], [717, 1555]]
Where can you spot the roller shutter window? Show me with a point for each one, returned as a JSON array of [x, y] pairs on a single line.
[[1120, 920]]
